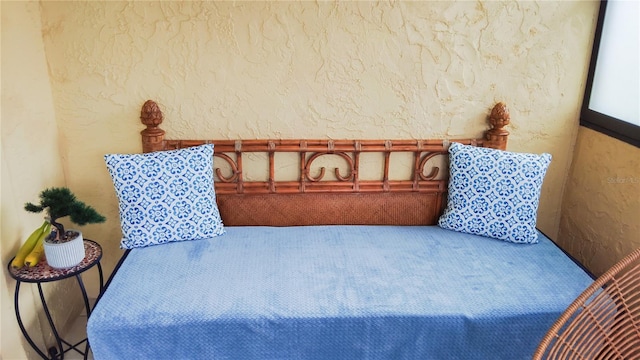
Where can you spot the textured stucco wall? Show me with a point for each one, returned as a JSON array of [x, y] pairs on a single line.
[[30, 162], [313, 69], [600, 221]]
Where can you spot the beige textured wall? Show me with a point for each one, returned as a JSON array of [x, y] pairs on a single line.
[[600, 221], [30, 162], [339, 70]]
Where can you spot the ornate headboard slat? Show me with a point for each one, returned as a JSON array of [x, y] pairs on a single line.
[[315, 199], [314, 145]]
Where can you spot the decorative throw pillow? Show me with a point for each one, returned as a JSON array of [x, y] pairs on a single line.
[[165, 196], [494, 193]]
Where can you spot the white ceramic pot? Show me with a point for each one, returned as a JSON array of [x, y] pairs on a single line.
[[65, 255]]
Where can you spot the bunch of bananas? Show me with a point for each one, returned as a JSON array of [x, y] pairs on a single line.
[[31, 251]]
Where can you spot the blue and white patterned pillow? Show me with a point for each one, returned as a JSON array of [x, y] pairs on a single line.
[[494, 193], [165, 196]]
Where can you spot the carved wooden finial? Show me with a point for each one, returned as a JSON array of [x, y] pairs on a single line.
[[499, 117], [152, 136], [497, 135]]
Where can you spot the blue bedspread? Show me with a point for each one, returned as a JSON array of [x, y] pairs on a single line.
[[334, 292]]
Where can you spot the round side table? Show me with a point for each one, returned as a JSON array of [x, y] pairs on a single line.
[[43, 273]]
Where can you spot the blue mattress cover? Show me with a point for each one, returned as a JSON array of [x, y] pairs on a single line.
[[334, 292]]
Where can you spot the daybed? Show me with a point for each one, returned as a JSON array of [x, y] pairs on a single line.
[[441, 264]]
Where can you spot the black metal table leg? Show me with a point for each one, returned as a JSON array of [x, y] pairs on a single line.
[[101, 279], [50, 320], [87, 308], [21, 325]]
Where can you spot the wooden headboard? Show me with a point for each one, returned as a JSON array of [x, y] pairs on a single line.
[[315, 199]]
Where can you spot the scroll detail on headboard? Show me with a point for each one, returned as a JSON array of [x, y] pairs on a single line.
[[314, 200]]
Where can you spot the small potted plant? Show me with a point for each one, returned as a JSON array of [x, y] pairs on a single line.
[[64, 248]]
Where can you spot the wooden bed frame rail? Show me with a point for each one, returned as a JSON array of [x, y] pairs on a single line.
[[316, 200]]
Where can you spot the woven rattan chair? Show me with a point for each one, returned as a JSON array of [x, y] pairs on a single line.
[[603, 322]]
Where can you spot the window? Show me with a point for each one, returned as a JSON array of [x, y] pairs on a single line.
[[611, 102]]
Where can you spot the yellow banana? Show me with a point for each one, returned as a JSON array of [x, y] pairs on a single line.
[[36, 254], [26, 248]]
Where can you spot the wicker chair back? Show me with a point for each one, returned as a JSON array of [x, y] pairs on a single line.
[[603, 322]]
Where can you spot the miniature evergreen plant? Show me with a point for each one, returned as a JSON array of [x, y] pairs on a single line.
[[60, 202]]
